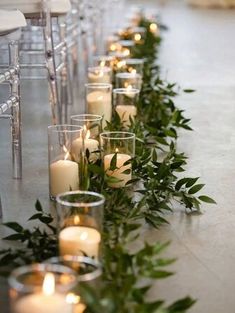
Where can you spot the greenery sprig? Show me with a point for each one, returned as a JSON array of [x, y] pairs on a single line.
[[155, 187]]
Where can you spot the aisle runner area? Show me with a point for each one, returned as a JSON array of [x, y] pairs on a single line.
[[197, 52]]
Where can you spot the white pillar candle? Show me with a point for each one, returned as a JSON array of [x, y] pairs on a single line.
[[118, 173], [74, 239], [47, 301], [100, 103], [63, 176], [89, 143], [125, 112], [99, 76]]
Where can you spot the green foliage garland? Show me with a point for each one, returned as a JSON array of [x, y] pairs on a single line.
[[127, 276]]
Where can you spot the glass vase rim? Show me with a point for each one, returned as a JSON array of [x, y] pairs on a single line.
[[134, 61], [82, 259], [129, 135], [39, 267], [73, 128], [128, 75], [104, 69], [87, 117], [126, 42], [103, 57], [98, 85], [99, 202], [126, 90]]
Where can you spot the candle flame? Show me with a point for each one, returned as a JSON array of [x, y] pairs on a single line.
[[129, 88], [99, 73], [126, 52], [116, 150], [120, 64], [71, 298], [127, 85], [84, 235], [102, 63], [76, 220], [153, 27], [86, 132], [133, 71], [48, 286], [113, 47], [137, 37], [66, 153]]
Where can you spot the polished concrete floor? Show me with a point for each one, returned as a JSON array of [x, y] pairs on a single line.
[[197, 52]]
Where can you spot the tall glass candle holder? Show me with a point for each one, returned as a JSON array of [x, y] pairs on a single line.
[[92, 127], [117, 150], [99, 101], [125, 100], [99, 74], [42, 288], [103, 60], [80, 216], [63, 169], [125, 80]]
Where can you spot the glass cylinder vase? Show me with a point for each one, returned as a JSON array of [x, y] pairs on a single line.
[[99, 101], [80, 216], [99, 74], [63, 168], [125, 80], [42, 288], [92, 127], [125, 101], [118, 148]]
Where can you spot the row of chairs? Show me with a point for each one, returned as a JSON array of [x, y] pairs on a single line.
[[60, 31]]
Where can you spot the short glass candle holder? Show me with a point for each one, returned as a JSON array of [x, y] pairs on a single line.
[[99, 74], [125, 80], [42, 288], [99, 101], [80, 216], [88, 271], [118, 148], [92, 127], [63, 168], [103, 60], [125, 101]]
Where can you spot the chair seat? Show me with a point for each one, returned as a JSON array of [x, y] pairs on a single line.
[[10, 21], [31, 7]]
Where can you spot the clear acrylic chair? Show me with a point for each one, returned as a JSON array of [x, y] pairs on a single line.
[[10, 24], [49, 18]]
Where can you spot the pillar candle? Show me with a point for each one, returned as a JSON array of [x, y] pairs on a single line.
[[63, 176], [89, 143], [118, 173], [100, 103], [125, 112], [47, 301], [74, 239]]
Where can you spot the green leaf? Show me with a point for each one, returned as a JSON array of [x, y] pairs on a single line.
[[15, 226], [191, 181], [196, 188], [189, 90], [113, 163], [206, 199], [180, 183], [38, 206]]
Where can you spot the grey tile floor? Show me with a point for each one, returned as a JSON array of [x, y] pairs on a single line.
[[197, 52]]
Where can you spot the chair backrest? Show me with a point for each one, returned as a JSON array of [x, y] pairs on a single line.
[[30, 7]]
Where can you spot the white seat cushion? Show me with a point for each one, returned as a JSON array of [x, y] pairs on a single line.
[[35, 6], [11, 20]]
